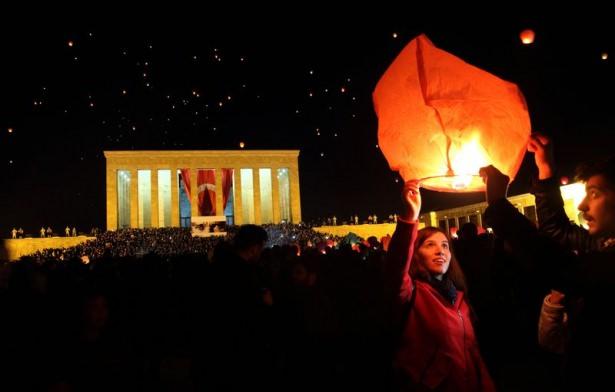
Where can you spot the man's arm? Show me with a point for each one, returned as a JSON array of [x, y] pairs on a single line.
[[552, 218], [540, 254], [507, 222], [553, 221]]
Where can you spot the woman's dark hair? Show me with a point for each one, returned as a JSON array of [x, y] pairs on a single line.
[[454, 273], [604, 167]]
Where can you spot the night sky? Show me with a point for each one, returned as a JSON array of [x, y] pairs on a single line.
[[69, 93]]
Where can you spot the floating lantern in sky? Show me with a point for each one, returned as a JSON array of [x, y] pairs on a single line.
[[604, 56], [441, 119], [70, 44], [242, 144], [527, 36]]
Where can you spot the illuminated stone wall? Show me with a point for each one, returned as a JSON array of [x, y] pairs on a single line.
[[363, 231], [14, 249]]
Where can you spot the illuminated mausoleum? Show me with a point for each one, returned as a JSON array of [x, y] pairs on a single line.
[[156, 188]]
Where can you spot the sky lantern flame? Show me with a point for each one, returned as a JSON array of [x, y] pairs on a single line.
[[466, 162], [469, 158], [441, 119]]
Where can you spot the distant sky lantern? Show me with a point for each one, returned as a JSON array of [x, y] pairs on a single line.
[[527, 36], [70, 44], [605, 55], [441, 119], [242, 144]]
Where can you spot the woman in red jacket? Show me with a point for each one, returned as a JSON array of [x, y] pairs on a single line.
[[437, 348]]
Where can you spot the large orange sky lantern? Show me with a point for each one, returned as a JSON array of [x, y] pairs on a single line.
[[440, 119]]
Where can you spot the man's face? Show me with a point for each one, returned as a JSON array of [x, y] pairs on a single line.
[[598, 206]]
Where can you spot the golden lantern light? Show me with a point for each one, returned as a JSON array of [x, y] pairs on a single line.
[[527, 36], [604, 56], [242, 144], [440, 119]]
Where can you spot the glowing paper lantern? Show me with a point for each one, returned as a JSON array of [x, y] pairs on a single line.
[[441, 119], [527, 36]]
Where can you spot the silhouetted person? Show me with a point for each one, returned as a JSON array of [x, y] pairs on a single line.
[[238, 350]]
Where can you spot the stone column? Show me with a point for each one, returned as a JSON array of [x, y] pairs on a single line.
[[111, 198], [433, 219], [155, 201], [134, 198], [256, 181], [174, 197], [275, 195], [238, 207], [194, 193], [295, 196]]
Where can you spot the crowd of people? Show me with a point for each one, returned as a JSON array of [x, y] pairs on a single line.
[[284, 307], [177, 242], [158, 307]]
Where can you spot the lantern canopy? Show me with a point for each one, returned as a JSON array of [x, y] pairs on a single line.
[[441, 119]]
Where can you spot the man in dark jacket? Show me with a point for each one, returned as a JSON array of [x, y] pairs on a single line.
[[239, 314], [575, 261]]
